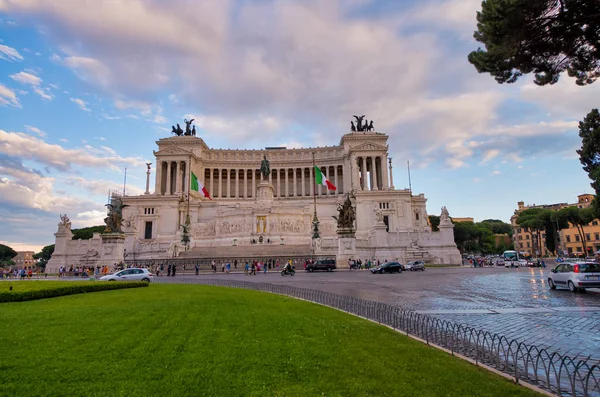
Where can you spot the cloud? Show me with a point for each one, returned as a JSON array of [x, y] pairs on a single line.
[[101, 187], [26, 78], [8, 97], [57, 157], [35, 130], [81, 103], [9, 53]]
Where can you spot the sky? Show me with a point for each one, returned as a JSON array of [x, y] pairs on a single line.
[[88, 86]]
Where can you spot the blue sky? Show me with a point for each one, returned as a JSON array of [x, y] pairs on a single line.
[[88, 86]]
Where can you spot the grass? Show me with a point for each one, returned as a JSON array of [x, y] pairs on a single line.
[[36, 285], [211, 341]]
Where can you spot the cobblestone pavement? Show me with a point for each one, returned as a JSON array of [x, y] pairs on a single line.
[[515, 303]]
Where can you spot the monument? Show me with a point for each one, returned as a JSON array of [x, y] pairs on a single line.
[[264, 203]]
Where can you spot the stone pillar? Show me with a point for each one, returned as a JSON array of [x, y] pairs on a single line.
[[391, 176], [346, 248], [303, 179], [245, 183], [228, 182], [386, 180], [169, 178], [363, 176], [253, 183], [220, 182], [177, 177], [278, 182], [158, 176], [211, 179], [374, 169], [336, 180], [294, 181]]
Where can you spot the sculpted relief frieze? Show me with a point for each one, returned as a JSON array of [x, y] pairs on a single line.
[[289, 226], [226, 227]]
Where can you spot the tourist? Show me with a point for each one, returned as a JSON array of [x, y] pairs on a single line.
[[169, 268], [197, 268], [277, 265], [227, 267], [265, 269], [173, 270], [246, 268], [235, 264], [253, 268], [184, 269]]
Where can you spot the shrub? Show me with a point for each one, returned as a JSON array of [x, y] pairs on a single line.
[[69, 290]]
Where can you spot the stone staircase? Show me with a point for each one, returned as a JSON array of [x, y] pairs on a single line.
[[247, 251]]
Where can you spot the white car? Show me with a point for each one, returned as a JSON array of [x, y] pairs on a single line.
[[133, 274], [575, 276]]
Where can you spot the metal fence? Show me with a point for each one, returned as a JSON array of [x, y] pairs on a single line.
[[551, 371], [205, 263]]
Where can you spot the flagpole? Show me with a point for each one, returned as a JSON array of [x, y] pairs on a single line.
[[189, 186], [315, 221]]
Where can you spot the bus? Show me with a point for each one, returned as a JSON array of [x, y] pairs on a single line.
[[511, 258]]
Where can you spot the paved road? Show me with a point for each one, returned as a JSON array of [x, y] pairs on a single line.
[[516, 303]]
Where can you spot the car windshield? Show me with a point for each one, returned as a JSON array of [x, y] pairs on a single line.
[[589, 268], [411, 263]]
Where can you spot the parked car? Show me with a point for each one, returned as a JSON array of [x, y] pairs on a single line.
[[321, 264], [388, 267], [575, 276], [133, 274], [415, 265]]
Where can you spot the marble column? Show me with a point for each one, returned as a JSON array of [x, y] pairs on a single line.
[[227, 181], [169, 179], [220, 182], [279, 182], [294, 181], [363, 176], [303, 179], [386, 180], [253, 183], [287, 183], [312, 181], [237, 183], [335, 167], [211, 179], [391, 176], [245, 183], [178, 175], [158, 175], [374, 168]]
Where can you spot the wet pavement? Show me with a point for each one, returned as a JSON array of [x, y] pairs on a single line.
[[515, 303]]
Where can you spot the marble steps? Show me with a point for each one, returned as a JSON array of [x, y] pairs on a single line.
[[248, 251]]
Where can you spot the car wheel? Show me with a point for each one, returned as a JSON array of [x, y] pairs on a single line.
[[551, 284], [146, 280], [423, 269], [572, 287], [329, 269]]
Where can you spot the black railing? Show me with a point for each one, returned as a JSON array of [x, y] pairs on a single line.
[[551, 371]]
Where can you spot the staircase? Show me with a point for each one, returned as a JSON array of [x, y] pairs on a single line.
[[247, 251]]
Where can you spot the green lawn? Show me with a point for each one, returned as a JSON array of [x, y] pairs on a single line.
[[199, 340], [34, 285]]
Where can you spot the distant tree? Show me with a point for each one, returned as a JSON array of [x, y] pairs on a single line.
[[533, 221], [544, 37], [473, 237], [578, 218], [6, 253], [589, 154], [497, 226], [87, 233], [434, 220], [44, 256]]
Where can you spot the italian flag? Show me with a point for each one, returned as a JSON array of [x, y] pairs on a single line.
[[322, 180], [199, 187]]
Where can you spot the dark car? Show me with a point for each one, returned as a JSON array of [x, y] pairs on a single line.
[[388, 267], [321, 264]]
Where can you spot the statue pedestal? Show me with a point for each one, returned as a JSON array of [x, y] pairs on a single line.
[[346, 247], [265, 191], [113, 245]]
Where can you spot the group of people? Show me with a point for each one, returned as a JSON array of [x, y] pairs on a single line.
[[358, 264], [23, 273]]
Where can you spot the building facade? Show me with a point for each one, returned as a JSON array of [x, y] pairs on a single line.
[[569, 240], [24, 259], [251, 215]]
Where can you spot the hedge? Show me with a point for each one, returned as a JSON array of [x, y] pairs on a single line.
[[62, 291]]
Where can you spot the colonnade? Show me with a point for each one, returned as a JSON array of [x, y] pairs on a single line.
[[287, 182], [371, 173], [171, 177]]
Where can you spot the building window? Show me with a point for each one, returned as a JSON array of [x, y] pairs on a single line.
[[384, 206], [594, 223], [527, 237], [148, 231], [148, 211], [544, 235], [587, 237], [528, 245], [519, 230], [386, 220], [520, 237], [577, 238], [596, 236], [520, 245], [525, 230], [568, 239]]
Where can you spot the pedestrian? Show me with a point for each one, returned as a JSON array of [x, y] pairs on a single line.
[[235, 264], [173, 270], [253, 268], [277, 265], [246, 268], [543, 264], [184, 269], [227, 267], [197, 268], [265, 268], [169, 269]]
